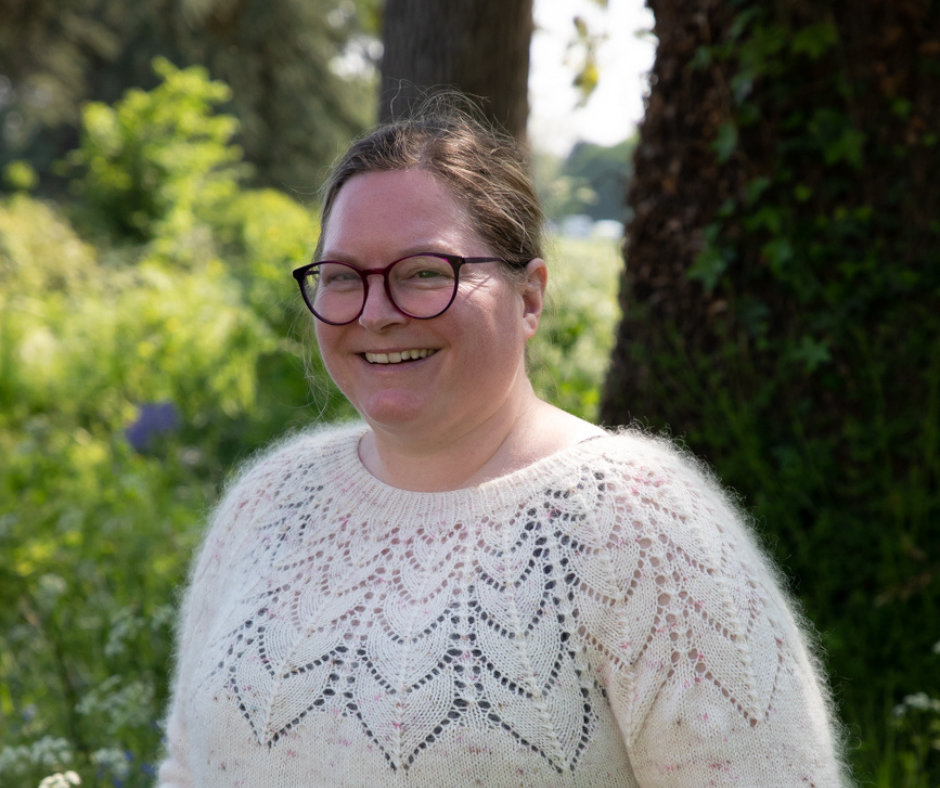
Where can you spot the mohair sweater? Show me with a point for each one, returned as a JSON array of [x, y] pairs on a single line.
[[602, 617]]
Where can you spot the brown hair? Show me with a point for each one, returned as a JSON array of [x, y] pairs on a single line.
[[483, 167]]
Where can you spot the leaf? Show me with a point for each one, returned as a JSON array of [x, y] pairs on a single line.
[[778, 253], [802, 192], [726, 141], [814, 41], [811, 353], [708, 267], [741, 22], [755, 189], [847, 148], [702, 58]]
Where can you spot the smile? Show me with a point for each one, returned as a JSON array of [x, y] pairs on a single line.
[[397, 357]]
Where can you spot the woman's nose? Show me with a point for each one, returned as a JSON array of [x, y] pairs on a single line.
[[378, 312]]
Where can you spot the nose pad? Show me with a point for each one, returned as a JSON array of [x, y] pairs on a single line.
[[378, 312]]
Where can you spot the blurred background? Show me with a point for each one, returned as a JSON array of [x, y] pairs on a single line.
[[744, 245]]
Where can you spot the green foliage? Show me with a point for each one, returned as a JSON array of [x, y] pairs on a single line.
[[568, 356], [156, 157], [97, 522], [101, 496], [92, 533], [916, 727], [20, 176], [590, 181], [585, 43], [301, 73], [811, 378]]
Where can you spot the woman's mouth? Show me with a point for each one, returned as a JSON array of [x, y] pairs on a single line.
[[398, 356]]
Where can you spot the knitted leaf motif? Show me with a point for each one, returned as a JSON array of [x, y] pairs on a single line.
[[657, 607], [601, 617], [515, 622], [433, 630]]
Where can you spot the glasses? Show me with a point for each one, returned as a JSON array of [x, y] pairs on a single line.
[[421, 286]]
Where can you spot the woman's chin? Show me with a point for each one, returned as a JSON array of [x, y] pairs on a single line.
[[393, 410]]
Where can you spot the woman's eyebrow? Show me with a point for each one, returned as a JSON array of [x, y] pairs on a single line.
[[423, 248]]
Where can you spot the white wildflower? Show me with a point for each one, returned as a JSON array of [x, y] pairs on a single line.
[[49, 751], [922, 702], [120, 705], [61, 780]]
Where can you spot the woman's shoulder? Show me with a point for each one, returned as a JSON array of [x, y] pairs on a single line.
[[656, 481], [265, 479], [289, 461], [630, 448], [321, 442], [634, 451]]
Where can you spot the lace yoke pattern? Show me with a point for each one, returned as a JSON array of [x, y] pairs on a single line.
[[524, 614]]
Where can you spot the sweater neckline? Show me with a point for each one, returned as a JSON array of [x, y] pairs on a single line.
[[486, 494]]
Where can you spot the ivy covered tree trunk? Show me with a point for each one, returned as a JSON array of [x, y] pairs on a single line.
[[782, 304], [480, 47]]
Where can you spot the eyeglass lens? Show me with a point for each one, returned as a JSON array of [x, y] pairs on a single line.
[[421, 286]]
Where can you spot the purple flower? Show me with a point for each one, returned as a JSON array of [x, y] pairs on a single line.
[[156, 418]]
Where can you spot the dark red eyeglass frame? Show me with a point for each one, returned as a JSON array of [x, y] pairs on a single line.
[[455, 261]]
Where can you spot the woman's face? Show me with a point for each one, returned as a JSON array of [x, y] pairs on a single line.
[[474, 353]]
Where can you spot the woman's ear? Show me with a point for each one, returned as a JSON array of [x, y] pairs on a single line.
[[533, 294]]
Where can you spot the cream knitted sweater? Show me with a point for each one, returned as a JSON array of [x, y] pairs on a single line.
[[600, 618]]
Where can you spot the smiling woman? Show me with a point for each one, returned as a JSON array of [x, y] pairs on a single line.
[[470, 387], [472, 587]]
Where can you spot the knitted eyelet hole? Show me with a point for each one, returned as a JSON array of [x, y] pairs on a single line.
[[461, 612]]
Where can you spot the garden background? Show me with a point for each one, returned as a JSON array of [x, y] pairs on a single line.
[[151, 339]]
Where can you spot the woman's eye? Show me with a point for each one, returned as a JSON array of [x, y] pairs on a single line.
[[338, 278], [424, 270]]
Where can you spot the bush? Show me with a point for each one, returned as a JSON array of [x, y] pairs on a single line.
[[94, 533], [129, 385], [159, 160], [569, 355]]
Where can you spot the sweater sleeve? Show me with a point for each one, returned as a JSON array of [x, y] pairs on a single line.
[[707, 669], [251, 494]]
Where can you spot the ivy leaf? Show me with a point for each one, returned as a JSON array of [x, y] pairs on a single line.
[[741, 85], [802, 192], [712, 261], [811, 353], [741, 22], [839, 139], [814, 41], [777, 252], [755, 189], [726, 140], [701, 59], [708, 267], [847, 148]]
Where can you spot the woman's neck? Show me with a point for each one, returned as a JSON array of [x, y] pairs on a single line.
[[514, 436]]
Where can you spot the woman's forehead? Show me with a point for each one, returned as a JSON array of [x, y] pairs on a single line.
[[408, 210]]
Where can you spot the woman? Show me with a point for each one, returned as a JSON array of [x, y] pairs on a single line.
[[471, 587]]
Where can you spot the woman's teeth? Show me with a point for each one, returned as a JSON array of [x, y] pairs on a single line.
[[397, 358]]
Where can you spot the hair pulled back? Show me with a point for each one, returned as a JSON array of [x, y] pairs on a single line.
[[483, 168]]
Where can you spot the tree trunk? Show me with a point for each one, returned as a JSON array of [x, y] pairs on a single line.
[[479, 47], [676, 188], [782, 302]]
